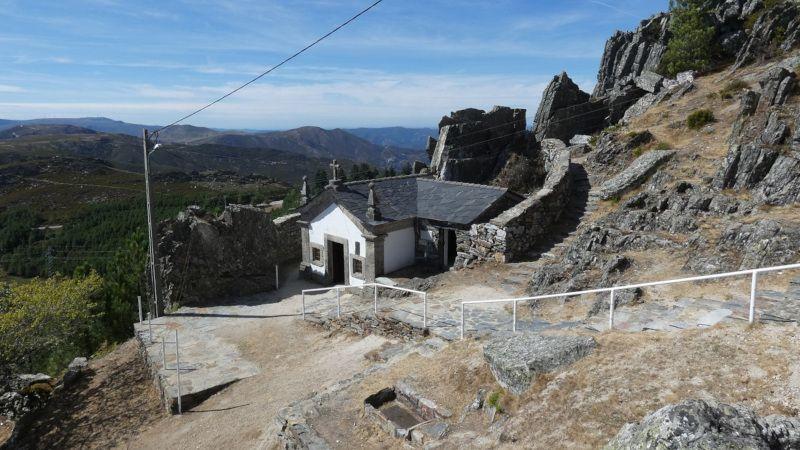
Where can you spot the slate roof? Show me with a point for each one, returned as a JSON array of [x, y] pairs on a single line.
[[412, 196]]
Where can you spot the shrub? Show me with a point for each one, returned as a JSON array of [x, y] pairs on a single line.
[[733, 88], [495, 400], [699, 118], [692, 44], [638, 151], [43, 322], [663, 146]]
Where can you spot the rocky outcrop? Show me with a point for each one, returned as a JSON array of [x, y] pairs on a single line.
[[629, 54], [635, 174], [758, 159], [517, 358], [473, 145], [203, 258], [699, 424], [565, 110], [777, 28]]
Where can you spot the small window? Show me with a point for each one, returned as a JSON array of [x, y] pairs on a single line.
[[358, 248], [316, 254], [358, 267]]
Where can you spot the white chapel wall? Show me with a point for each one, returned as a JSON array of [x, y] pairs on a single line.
[[398, 249], [335, 222]]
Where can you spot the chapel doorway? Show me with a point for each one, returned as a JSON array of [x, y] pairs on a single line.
[[336, 262], [452, 250]]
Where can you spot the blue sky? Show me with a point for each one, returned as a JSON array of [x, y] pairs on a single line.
[[404, 63]]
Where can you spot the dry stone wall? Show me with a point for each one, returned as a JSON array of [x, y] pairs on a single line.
[[511, 235]]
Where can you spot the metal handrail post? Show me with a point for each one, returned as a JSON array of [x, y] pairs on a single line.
[[514, 318], [375, 287], [611, 311], [150, 326], [753, 283], [462, 320], [425, 310], [178, 370], [338, 303], [303, 303], [139, 301]]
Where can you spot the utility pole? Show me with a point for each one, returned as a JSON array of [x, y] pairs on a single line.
[[150, 232]]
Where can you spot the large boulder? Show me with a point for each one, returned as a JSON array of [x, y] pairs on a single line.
[[639, 170], [203, 258], [565, 110], [515, 359], [473, 144], [698, 424]]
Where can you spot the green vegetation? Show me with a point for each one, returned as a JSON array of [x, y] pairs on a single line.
[[45, 323], [639, 151], [663, 146], [495, 400], [733, 88], [700, 118], [692, 43]]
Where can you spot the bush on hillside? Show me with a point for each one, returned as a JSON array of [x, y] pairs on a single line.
[[44, 323], [699, 118], [733, 88], [692, 44]]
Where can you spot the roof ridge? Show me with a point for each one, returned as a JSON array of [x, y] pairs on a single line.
[[463, 183], [397, 177]]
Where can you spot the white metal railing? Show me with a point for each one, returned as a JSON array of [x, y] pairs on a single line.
[[339, 288], [612, 290]]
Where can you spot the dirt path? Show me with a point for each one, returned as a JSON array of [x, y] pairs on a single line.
[[295, 360]]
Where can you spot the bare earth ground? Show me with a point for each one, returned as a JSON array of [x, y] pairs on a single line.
[[108, 406]]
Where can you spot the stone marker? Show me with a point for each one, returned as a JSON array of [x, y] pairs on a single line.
[[635, 174], [516, 358]]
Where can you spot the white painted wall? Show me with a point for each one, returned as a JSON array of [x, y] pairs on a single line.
[[398, 249], [335, 222]]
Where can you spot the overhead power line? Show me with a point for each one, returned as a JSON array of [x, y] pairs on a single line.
[[268, 71]]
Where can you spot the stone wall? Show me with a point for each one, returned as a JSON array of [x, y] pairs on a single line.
[[204, 259], [515, 232]]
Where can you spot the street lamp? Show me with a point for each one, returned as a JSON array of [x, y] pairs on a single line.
[[150, 233]]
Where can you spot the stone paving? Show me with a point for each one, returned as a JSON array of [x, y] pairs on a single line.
[[208, 363], [444, 317]]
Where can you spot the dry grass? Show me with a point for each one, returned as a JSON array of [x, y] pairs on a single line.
[[631, 375]]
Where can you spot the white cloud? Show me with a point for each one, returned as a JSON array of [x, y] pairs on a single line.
[[10, 89]]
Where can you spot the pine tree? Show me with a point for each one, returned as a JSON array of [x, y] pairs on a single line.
[[691, 46]]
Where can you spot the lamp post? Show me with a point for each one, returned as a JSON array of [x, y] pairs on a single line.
[[150, 233]]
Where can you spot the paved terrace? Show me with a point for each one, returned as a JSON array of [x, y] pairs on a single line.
[[209, 362]]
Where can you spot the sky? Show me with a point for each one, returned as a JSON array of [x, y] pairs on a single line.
[[404, 63]]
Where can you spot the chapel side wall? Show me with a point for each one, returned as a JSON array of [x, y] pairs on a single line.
[[516, 231], [399, 249]]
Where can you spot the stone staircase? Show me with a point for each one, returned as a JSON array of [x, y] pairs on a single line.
[[582, 203]]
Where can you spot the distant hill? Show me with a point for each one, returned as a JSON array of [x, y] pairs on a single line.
[[125, 152], [414, 138], [380, 147], [317, 142], [19, 131]]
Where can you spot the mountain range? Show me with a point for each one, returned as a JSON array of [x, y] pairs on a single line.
[[380, 147]]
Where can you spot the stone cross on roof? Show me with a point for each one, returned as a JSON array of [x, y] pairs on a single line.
[[373, 212], [304, 191], [335, 170]]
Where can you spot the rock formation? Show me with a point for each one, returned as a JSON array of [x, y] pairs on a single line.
[[204, 259], [629, 54], [696, 424], [565, 110], [473, 145]]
